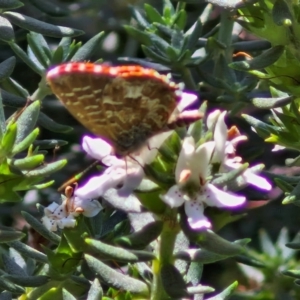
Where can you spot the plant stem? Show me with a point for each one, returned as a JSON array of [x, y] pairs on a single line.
[[165, 256], [180, 6], [41, 92], [225, 32], [188, 78]]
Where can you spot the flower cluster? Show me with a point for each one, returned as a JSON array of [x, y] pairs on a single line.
[[194, 166], [195, 170], [63, 215]]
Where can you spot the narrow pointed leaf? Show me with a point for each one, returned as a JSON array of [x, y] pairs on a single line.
[[142, 22], [48, 169], [115, 279], [173, 282], [194, 34], [261, 61], [140, 239], [27, 120], [39, 227], [67, 295], [50, 8], [139, 35], [26, 142], [39, 47], [10, 4], [28, 251], [6, 30], [14, 87], [7, 67], [118, 254], [28, 163], [268, 103], [9, 139], [152, 14], [28, 281], [86, 51], [49, 144], [51, 125], [9, 236], [95, 291], [41, 27], [9, 286], [25, 58]]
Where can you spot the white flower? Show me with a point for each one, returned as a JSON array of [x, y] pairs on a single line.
[[126, 173], [225, 151], [63, 216], [192, 188]]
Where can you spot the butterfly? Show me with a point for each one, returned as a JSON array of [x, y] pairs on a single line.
[[125, 105]]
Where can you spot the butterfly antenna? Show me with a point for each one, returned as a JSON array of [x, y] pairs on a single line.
[[76, 177]]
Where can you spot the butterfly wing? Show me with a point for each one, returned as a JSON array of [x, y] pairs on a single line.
[[124, 105]]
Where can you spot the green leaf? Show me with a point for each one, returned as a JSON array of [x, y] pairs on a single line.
[[7, 67], [6, 30], [152, 14], [9, 286], [50, 8], [28, 163], [268, 103], [264, 60], [40, 48], [49, 144], [173, 282], [51, 125], [7, 236], [2, 118], [10, 4], [67, 295], [14, 87], [65, 44], [23, 56], [26, 142], [141, 238], [47, 169], [27, 120], [117, 253], [39, 227], [115, 279], [281, 13], [8, 139], [168, 11], [194, 34], [28, 251], [41, 27], [95, 291], [180, 19], [86, 51], [28, 281], [139, 35], [142, 22], [226, 293], [149, 52]]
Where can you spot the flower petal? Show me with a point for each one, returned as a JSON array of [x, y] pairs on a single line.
[[90, 207], [194, 211], [98, 185], [220, 137], [256, 180], [173, 197], [186, 100], [96, 147], [213, 196], [132, 181], [185, 159]]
